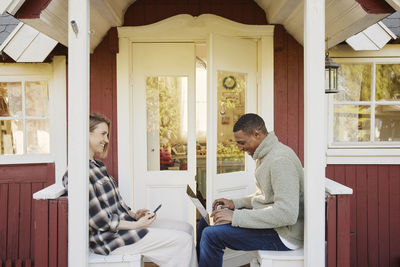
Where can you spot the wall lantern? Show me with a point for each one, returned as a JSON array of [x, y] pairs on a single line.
[[331, 68]]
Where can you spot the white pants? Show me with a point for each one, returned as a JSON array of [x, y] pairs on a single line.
[[168, 243]]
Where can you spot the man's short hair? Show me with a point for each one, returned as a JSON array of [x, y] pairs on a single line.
[[250, 122]]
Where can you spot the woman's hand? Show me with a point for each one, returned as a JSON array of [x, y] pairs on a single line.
[[138, 214], [144, 222]]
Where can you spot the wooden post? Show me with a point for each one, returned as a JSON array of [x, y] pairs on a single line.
[[314, 133], [78, 128]]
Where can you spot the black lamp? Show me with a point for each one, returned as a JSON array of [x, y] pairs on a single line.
[[331, 68]]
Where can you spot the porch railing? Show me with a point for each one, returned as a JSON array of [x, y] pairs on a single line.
[[51, 228]]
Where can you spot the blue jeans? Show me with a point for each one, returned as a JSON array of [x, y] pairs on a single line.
[[212, 240]]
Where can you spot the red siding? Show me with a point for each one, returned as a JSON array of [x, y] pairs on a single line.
[[376, 6], [143, 12], [103, 95], [288, 91], [51, 233], [17, 183], [374, 212]]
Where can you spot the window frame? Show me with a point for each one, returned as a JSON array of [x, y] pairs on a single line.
[[362, 152], [53, 73]]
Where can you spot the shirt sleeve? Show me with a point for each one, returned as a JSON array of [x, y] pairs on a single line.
[[100, 217]]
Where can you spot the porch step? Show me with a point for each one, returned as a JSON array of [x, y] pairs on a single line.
[[270, 258], [126, 260]]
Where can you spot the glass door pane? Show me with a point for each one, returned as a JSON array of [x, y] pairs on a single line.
[[167, 128], [230, 106]]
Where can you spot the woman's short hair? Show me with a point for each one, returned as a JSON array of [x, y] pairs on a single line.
[[96, 119], [250, 122]]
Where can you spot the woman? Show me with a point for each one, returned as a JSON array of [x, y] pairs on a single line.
[[114, 228]]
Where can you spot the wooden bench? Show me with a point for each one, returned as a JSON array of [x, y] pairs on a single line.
[[95, 260], [270, 258]]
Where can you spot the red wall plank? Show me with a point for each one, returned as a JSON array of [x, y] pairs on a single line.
[[35, 187], [63, 232], [301, 103], [29, 173], [41, 254], [13, 221], [383, 217], [280, 84], [293, 95], [53, 232], [331, 230], [361, 213], [373, 224], [3, 220], [394, 220], [343, 231], [351, 181], [25, 222]]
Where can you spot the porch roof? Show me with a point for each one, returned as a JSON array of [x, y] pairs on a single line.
[[344, 18]]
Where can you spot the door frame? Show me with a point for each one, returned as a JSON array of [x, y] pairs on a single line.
[[184, 28]]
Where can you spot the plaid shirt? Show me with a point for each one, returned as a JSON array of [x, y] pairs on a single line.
[[106, 209]]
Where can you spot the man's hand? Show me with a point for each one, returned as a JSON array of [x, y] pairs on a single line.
[[223, 203], [222, 216]]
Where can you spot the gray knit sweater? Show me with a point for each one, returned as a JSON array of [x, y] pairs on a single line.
[[278, 200]]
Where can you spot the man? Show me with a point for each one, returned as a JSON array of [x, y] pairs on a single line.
[[269, 219]]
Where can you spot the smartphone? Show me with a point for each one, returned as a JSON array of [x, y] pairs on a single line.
[[154, 212], [159, 206]]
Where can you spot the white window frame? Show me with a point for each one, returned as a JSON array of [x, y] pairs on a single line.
[[368, 152], [55, 75]]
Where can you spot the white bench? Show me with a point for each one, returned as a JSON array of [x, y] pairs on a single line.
[[270, 258], [95, 260]]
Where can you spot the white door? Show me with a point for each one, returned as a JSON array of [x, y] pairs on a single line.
[[163, 78], [232, 91]]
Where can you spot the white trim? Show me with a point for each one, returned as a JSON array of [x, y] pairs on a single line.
[[335, 188], [55, 75], [78, 133], [58, 116], [188, 28], [124, 118], [314, 134], [10, 6], [266, 81], [378, 146], [181, 28], [363, 156]]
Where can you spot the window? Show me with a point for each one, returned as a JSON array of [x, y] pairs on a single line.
[[33, 113], [364, 117], [24, 117]]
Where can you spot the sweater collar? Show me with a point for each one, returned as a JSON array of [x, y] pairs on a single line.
[[266, 146]]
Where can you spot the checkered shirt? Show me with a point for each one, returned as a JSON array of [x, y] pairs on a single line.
[[106, 209]]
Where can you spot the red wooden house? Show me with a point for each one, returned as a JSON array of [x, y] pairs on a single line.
[[225, 58]]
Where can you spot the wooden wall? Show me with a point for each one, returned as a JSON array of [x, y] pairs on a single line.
[[103, 92], [143, 12], [17, 184], [288, 91], [375, 212]]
